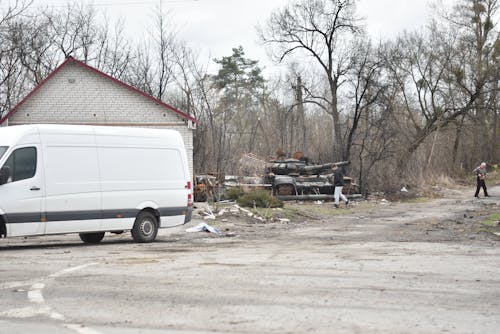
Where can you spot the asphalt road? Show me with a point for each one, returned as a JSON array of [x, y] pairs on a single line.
[[400, 268]]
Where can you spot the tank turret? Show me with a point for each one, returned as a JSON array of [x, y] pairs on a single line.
[[294, 178]]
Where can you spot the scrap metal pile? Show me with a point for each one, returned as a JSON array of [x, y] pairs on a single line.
[[285, 178]]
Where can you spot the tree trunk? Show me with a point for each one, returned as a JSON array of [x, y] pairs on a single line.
[[338, 147]]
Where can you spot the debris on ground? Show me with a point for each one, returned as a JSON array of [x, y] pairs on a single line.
[[206, 212], [203, 227]]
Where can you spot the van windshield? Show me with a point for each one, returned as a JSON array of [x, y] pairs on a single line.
[[3, 149]]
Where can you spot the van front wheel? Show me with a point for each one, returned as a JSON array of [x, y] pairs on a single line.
[[145, 227], [92, 238]]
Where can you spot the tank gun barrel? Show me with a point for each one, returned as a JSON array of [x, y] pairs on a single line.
[[342, 163], [296, 167], [315, 169]]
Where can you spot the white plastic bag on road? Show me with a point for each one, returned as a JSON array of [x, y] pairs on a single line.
[[203, 227]]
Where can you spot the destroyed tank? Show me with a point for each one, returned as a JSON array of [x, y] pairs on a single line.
[[298, 179]]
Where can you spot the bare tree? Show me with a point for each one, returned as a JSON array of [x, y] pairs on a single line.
[[365, 86], [113, 54], [444, 77], [319, 29], [475, 20], [196, 98], [375, 147], [12, 83], [164, 45], [35, 47], [432, 93], [14, 9], [153, 66], [70, 30]]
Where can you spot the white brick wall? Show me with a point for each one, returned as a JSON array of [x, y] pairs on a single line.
[[76, 95]]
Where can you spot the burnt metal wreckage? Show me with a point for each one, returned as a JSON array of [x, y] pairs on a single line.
[[294, 179], [287, 179]]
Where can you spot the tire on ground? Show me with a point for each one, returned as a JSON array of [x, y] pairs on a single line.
[[92, 238], [145, 227]]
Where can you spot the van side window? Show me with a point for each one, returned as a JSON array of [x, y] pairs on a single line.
[[22, 163]]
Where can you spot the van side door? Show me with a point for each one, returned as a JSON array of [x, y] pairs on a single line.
[[21, 197], [73, 196]]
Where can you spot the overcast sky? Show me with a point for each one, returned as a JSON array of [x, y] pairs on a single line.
[[220, 25], [216, 26]]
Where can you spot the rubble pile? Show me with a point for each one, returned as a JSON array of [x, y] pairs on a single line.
[[251, 165], [205, 212]]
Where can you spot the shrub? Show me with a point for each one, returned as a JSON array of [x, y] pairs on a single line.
[[259, 199], [234, 193]]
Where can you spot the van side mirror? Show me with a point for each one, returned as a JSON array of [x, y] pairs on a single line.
[[4, 174]]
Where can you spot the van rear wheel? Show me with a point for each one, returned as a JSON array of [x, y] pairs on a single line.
[[92, 238], [145, 227]]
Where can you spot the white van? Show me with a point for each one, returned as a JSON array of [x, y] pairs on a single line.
[[90, 180]]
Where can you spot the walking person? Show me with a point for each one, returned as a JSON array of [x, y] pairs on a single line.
[[480, 172], [338, 183]]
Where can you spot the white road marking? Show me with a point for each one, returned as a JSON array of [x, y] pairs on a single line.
[[35, 296], [35, 293], [26, 312], [69, 270], [18, 284], [56, 316]]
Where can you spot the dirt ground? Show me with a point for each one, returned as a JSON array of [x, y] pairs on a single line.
[[378, 266], [452, 215]]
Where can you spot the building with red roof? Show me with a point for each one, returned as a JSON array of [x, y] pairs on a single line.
[[76, 93]]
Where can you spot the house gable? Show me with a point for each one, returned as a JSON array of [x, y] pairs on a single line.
[[77, 93]]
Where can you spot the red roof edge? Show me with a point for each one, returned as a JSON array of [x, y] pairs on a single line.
[[118, 82]]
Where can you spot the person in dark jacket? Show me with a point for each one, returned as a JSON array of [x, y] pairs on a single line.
[[338, 183], [480, 172]]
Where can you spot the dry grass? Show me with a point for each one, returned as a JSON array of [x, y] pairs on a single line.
[[494, 177], [443, 180]]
